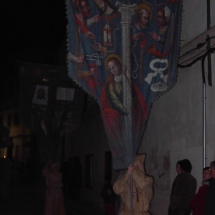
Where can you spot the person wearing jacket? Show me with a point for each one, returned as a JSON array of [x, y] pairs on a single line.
[[183, 191], [198, 201], [209, 208]]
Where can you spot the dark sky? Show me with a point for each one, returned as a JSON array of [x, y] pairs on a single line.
[[28, 25], [32, 24]]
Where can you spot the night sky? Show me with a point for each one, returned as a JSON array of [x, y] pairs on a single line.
[[29, 25]]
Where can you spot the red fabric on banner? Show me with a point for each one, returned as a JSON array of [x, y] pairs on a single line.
[[113, 119]]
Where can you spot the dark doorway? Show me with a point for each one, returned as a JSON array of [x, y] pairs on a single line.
[[108, 164]]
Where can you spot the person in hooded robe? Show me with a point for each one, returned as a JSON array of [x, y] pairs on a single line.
[[142, 189], [54, 204]]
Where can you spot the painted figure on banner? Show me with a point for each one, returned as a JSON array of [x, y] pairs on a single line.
[[163, 19], [161, 49], [109, 22], [75, 59], [143, 15], [83, 18], [84, 21], [91, 78], [111, 99], [113, 109], [163, 16]]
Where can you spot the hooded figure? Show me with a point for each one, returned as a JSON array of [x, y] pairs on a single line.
[[142, 189]]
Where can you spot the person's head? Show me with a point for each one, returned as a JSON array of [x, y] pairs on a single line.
[[82, 6], [101, 5], [143, 18], [178, 167], [144, 15], [139, 162], [114, 65], [186, 165], [212, 169], [206, 173], [163, 15]]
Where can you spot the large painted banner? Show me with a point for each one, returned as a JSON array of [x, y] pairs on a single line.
[[124, 53]]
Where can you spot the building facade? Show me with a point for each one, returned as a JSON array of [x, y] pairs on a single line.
[[181, 123]]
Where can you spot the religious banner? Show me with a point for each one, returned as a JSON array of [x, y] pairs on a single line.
[[50, 105], [124, 53]]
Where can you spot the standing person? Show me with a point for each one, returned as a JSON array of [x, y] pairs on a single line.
[[198, 201], [54, 195], [183, 191], [108, 196], [179, 171], [142, 189], [210, 198]]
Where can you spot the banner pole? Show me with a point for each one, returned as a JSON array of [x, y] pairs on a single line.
[[131, 194]]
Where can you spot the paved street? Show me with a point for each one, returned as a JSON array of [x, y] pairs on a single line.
[[22, 201], [27, 199]]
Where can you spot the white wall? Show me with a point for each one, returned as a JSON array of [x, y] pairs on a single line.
[[194, 20], [175, 127], [90, 138]]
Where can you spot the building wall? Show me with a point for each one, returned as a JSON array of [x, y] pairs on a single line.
[[90, 139], [176, 125], [212, 13], [194, 20]]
